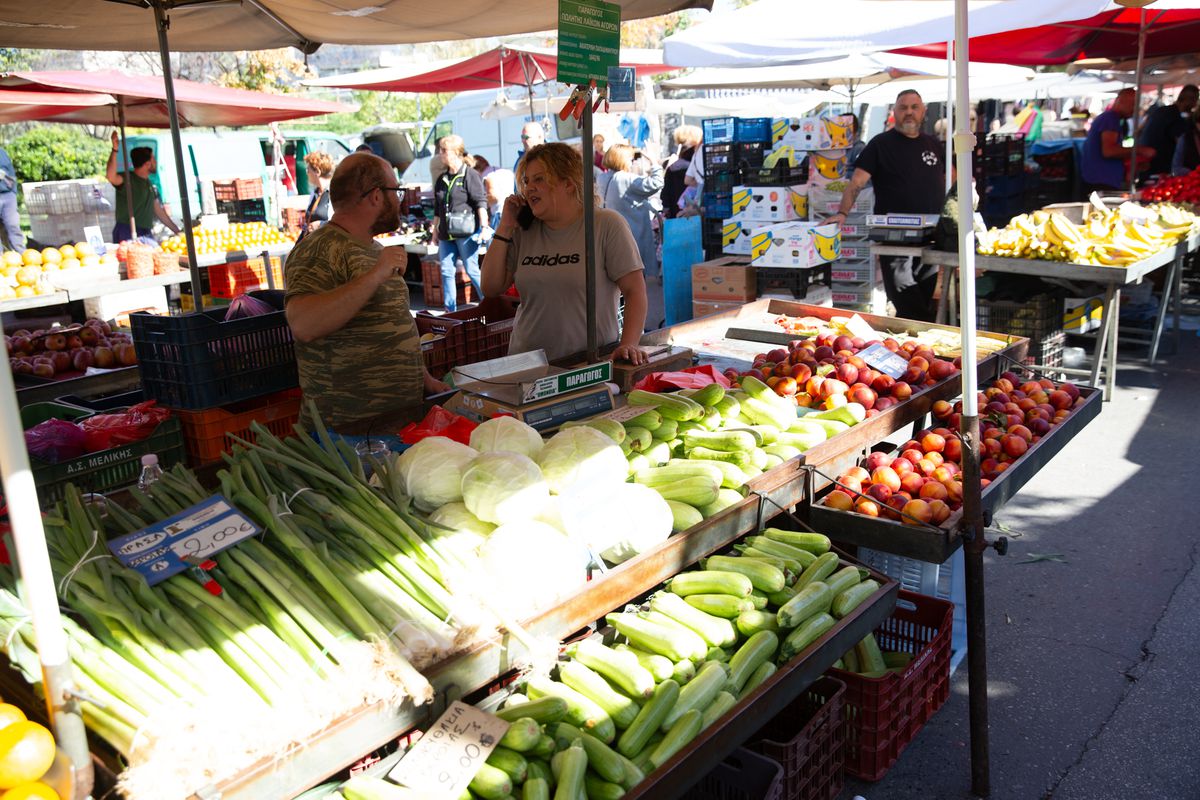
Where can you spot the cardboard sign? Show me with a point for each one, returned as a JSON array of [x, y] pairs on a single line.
[[158, 551], [589, 40], [93, 236], [879, 357], [447, 757]]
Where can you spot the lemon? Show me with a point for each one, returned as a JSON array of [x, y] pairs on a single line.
[[31, 791], [12, 258], [84, 249], [71, 263], [32, 258], [26, 752], [51, 256], [67, 251], [10, 714]]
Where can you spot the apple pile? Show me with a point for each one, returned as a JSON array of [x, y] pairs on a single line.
[[826, 371], [47, 353], [923, 482]]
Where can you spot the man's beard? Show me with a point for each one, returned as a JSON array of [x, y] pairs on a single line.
[[909, 126], [388, 219]]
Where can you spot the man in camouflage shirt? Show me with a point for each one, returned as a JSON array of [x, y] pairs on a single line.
[[357, 346]]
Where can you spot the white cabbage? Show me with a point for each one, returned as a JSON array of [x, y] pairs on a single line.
[[508, 434], [582, 456], [504, 487], [618, 522], [432, 470], [464, 532], [530, 566]]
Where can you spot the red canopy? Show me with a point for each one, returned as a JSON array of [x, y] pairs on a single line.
[[1111, 34], [145, 99], [510, 66], [16, 106]]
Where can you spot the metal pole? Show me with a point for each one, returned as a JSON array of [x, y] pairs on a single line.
[[37, 591], [162, 23], [975, 543], [589, 228], [125, 163], [950, 114], [1137, 105]]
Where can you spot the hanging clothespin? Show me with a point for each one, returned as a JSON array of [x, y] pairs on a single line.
[[199, 569]]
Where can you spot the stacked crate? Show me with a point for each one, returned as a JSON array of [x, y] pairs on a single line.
[[60, 210], [734, 148], [1001, 177]]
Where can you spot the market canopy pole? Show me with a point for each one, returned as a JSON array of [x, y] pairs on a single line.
[[1137, 106], [126, 165]]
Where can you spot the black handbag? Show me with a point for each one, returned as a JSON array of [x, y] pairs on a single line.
[[461, 224]]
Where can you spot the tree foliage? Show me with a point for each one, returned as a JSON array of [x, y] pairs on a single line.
[[57, 153], [274, 71], [377, 107]]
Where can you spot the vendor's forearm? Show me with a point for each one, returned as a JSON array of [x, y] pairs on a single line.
[[635, 318], [849, 197], [494, 280], [110, 171], [315, 316], [165, 218]]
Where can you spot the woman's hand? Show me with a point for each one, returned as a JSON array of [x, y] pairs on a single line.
[[509, 214], [629, 352]]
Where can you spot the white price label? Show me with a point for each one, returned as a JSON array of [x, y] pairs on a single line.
[[879, 357], [447, 757]]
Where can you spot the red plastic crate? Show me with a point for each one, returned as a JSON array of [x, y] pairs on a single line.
[[229, 280], [807, 739], [468, 336], [431, 284], [882, 715], [204, 432]]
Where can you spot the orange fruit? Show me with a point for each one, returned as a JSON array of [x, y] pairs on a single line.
[[31, 791], [10, 714], [26, 752]]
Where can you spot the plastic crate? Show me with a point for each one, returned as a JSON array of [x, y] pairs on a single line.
[[204, 432], [787, 279], [719, 158], [743, 775], [717, 205], [229, 280], [721, 183], [109, 469], [224, 191], [882, 715], [1047, 351], [783, 174], [37, 413], [807, 739], [103, 402], [431, 285], [468, 336], [752, 129], [198, 360], [750, 155], [254, 210], [1040, 315], [720, 130], [247, 188]]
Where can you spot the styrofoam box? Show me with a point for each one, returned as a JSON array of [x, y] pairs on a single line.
[[794, 244], [854, 228], [860, 297], [854, 271], [770, 203], [945, 581], [855, 249]]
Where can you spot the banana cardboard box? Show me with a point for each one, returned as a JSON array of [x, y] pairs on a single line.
[[823, 203], [795, 244], [735, 236], [827, 170], [813, 133], [770, 203]]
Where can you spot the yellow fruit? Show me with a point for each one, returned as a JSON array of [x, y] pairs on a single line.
[[25, 291], [27, 276], [84, 249], [51, 255], [10, 714], [7, 293], [31, 791], [26, 752], [71, 263], [32, 258], [12, 258], [67, 251]]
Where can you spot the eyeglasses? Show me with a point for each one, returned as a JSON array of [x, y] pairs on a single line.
[[397, 189]]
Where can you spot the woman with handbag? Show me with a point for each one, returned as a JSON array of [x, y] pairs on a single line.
[[462, 226]]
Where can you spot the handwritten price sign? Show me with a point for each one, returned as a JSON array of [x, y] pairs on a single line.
[[447, 757], [199, 532]]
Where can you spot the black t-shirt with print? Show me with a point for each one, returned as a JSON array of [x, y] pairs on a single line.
[[908, 174]]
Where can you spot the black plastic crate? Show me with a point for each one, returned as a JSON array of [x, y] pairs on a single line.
[[772, 280], [1034, 318], [102, 403], [782, 174], [197, 361], [719, 158], [254, 210], [1047, 351], [721, 182], [743, 775], [752, 129], [718, 205], [750, 155]]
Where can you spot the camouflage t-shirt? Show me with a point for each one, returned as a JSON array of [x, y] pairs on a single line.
[[373, 364]]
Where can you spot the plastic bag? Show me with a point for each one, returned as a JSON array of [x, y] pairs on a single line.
[[56, 440], [246, 306], [439, 422], [132, 425], [690, 378]]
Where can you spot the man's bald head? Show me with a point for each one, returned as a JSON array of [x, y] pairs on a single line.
[[532, 135], [357, 174]]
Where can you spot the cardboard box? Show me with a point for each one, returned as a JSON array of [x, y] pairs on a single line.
[[827, 170], [795, 244], [813, 133], [705, 308], [724, 283], [525, 386], [735, 237], [1083, 314], [770, 203]]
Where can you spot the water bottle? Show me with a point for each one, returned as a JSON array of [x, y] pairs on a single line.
[[151, 471]]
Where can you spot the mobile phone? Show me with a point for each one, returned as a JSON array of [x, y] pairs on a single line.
[[525, 217]]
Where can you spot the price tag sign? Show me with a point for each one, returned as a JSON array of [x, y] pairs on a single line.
[[589, 40], [879, 357], [447, 757], [158, 551]]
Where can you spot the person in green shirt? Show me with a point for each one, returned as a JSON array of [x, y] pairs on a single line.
[[146, 205]]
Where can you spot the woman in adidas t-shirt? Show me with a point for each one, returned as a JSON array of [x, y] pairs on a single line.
[[546, 262]]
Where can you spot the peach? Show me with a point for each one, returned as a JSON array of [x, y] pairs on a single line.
[[865, 396], [883, 383], [902, 466], [877, 459], [939, 511], [868, 507], [936, 458], [887, 476], [884, 403], [912, 454], [801, 373], [954, 491], [915, 512], [839, 500], [858, 473], [912, 483], [1015, 446], [925, 467], [853, 485], [942, 474], [901, 391], [940, 370], [934, 490], [942, 409], [933, 443], [879, 492]]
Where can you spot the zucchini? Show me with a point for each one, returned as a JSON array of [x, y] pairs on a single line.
[[601, 758], [716, 631], [582, 712], [620, 668], [609, 427], [683, 671], [784, 452], [543, 749], [727, 441], [779, 562], [726, 498], [658, 454], [762, 576], [752, 621], [709, 395], [819, 570], [637, 462], [648, 419], [813, 628], [522, 735], [678, 737], [757, 650], [809, 601], [587, 682], [815, 543], [717, 654], [778, 599], [717, 708], [894, 660], [543, 710], [766, 413], [573, 764], [648, 720], [781, 550], [684, 516], [719, 605], [739, 458], [540, 769], [653, 637], [732, 476], [728, 407], [758, 457], [597, 788], [750, 429], [770, 462], [767, 435], [512, 701], [759, 600], [491, 783], [869, 657], [851, 660], [711, 581], [667, 431], [660, 667], [511, 762], [850, 599], [712, 420], [639, 439], [758, 678], [699, 646], [535, 789], [699, 491], [843, 579], [677, 470], [671, 406]]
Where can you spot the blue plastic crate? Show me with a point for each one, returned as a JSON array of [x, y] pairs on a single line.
[[753, 129], [717, 205], [721, 130]]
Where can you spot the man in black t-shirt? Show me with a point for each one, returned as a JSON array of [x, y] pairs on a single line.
[[907, 171]]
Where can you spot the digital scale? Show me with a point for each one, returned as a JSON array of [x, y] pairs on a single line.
[[905, 229]]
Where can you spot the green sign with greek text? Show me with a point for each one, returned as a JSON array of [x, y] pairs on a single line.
[[589, 40]]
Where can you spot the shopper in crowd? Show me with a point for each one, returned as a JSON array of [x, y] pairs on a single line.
[[907, 171], [9, 217], [598, 150], [483, 166], [357, 346], [461, 210], [498, 185], [146, 205], [632, 195], [857, 143], [687, 139], [1105, 162], [1187, 150], [364, 148], [1164, 126], [543, 254], [319, 168], [531, 136]]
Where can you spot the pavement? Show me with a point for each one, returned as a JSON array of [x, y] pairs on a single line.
[[1093, 662]]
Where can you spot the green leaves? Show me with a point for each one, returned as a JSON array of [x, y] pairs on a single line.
[[57, 153]]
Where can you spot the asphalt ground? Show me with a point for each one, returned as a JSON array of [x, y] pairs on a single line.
[[1094, 659]]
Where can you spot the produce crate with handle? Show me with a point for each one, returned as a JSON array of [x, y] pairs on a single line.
[[468, 336], [743, 775], [232, 278], [199, 360], [807, 739], [882, 715], [205, 433], [431, 284]]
